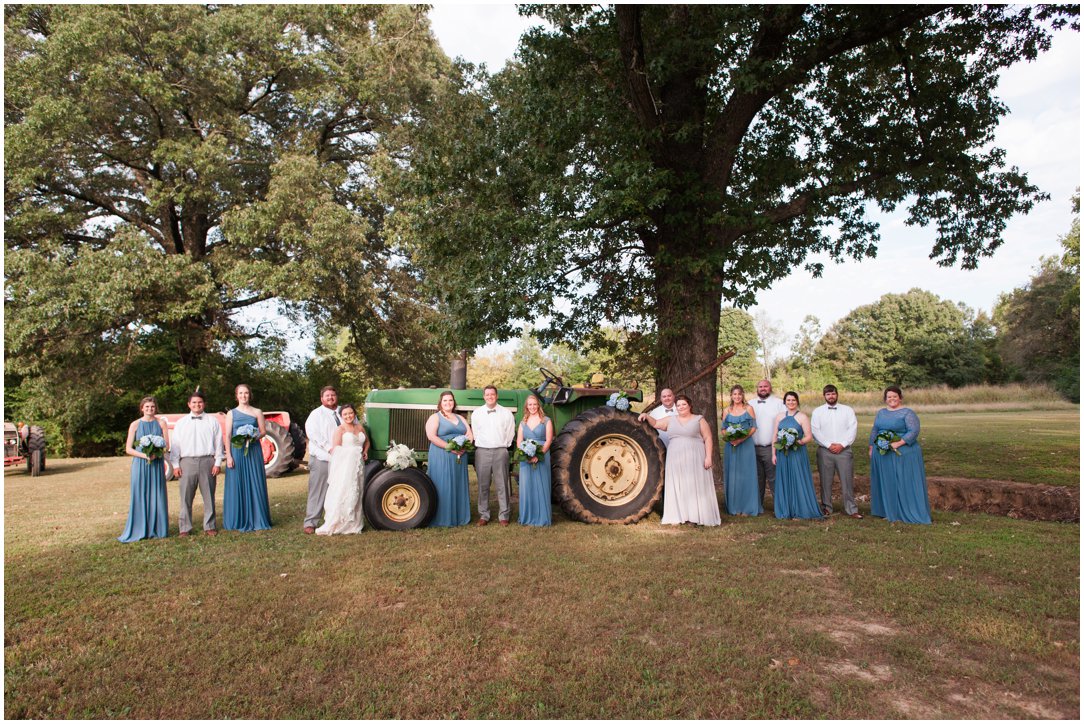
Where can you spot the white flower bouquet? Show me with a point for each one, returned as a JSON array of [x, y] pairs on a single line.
[[400, 457]]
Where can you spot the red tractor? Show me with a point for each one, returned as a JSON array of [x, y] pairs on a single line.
[[283, 445], [24, 443]]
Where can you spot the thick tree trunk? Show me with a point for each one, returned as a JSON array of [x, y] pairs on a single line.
[[688, 324]]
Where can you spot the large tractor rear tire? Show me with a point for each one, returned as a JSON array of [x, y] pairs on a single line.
[[35, 451], [400, 499], [279, 453], [300, 441], [607, 467]]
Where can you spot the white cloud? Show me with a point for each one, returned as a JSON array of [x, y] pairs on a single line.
[[479, 33]]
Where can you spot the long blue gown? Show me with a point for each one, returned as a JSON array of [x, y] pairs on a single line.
[[449, 476], [898, 482], [244, 502], [534, 481], [794, 493], [740, 470], [148, 515]]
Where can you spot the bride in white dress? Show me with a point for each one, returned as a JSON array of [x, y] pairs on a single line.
[[349, 450]]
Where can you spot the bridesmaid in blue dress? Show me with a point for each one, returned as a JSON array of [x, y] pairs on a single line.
[[740, 461], [448, 470], [898, 481], [244, 503], [534, 475], [148, 515], [795, 496]]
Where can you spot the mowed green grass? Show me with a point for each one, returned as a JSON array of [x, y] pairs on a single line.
[[1024, 447], [972, 617]]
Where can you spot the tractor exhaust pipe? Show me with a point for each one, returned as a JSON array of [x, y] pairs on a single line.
[[459, 371]]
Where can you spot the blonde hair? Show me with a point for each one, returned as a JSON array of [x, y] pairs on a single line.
[[541, 412]]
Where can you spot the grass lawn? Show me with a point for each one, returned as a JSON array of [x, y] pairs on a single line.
[[972, 617], [1023, 447]]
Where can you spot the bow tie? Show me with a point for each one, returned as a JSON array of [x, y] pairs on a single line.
[[668, 410], [761, 402], [490, 412], [831, 408], [197, 417]]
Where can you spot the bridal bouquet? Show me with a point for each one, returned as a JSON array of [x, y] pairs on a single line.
[[527, 449], [735, 431], [400, 457], [460, 442], [884, 441], [153, 446], [246, 434], [619, 400], [787, 439]]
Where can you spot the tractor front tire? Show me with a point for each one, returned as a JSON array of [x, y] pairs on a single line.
[[281, 460], [35, 450], [35, 462], [607, 467], [400, 499]]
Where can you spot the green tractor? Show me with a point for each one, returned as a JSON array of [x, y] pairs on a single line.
[[606, 466]]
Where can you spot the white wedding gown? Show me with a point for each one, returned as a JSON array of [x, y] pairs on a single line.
[[342, 504]]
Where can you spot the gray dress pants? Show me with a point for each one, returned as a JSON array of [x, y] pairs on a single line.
[[765, 471], [491, 465], [314, 507], [196, 472], [827, 465]]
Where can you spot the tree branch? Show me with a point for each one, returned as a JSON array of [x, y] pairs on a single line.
[[631, 43], [742, 108], [241, 303], [103, 204]]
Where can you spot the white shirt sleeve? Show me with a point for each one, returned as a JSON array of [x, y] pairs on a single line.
[[177, 440], [319, 433], [220, 450], [816, 426], [508, 427], [850, 432]]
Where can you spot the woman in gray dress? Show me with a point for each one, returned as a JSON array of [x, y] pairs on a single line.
[[689, 494]]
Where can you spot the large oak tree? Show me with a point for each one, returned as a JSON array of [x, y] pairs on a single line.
[[168, 166], [643, 163]]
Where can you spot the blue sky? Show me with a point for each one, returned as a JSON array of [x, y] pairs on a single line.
[[1041, 135]]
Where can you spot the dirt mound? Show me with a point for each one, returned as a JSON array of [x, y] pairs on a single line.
[[1001, 497], [997, 497]]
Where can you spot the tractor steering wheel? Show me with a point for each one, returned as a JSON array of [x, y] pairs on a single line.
[[548, 378]]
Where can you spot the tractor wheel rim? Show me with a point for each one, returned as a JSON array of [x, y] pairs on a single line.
[[614, 470], [400, 502]]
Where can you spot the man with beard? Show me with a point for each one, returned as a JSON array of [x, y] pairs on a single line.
[[767, 408]]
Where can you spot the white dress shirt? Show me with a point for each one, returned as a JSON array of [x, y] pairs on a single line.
[[493, 427], [766, 411], [832, 424], [660, 412], [320, 429], [196, 436]]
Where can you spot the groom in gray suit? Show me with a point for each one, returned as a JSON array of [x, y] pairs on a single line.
[[197, 452], [320, 428]]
